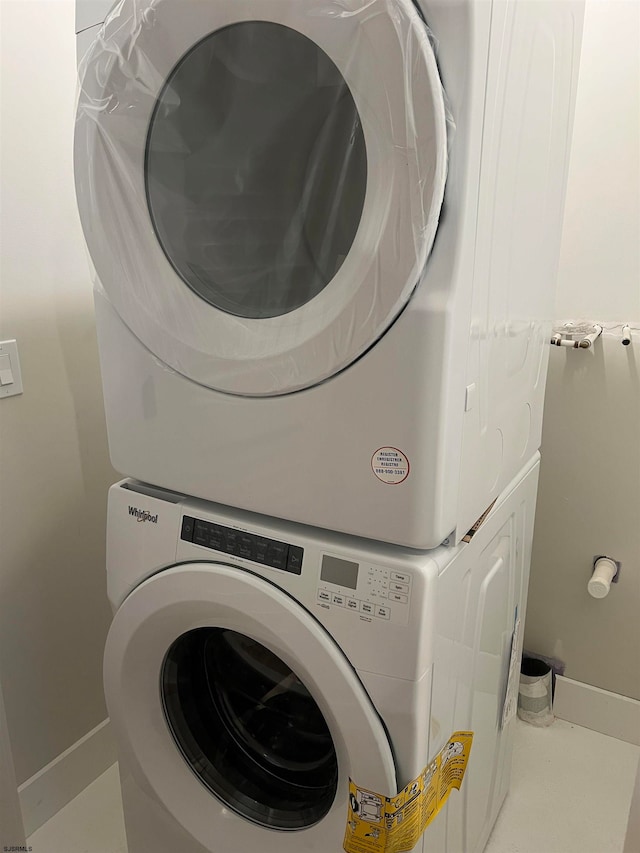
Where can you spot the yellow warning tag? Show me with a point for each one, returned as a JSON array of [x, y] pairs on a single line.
[[379, 824]]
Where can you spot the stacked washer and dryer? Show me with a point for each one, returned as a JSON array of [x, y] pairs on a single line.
[[325, 235]]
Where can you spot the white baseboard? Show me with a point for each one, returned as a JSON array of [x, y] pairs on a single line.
[[66, 776], [605, 712]]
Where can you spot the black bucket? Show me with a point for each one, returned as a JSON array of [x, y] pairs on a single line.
[[535, 694]]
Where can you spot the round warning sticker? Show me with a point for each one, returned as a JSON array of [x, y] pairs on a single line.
[[390, 465]]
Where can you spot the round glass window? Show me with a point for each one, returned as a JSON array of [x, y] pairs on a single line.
[[249, 728], [256, 169]]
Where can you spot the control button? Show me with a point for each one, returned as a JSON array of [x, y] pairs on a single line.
[[383, 612], [401, 599], [353, 604], [294, 562], [399, 587], [232, 541], [277, 554], [188, 525], [262, 546], [246, 546], [400, 576], [201, 533], [337, 599], [217, 537], [366, 607], [324, 595]]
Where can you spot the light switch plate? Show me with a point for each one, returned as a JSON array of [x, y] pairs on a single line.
[[10, 364]]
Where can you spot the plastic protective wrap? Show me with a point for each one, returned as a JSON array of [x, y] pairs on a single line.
[[260, 181]]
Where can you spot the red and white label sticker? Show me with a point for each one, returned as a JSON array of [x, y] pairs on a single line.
[[390, 465]]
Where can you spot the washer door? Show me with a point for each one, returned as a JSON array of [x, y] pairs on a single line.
[[260, 183], [238, 710]]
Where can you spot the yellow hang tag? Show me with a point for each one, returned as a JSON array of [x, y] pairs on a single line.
[[379, 824]]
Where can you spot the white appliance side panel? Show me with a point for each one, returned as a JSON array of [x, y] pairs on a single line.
[[487, 643], [480, 596], [533, 65], [524, 543]]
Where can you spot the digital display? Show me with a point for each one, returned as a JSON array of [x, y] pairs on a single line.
[[339, 572]]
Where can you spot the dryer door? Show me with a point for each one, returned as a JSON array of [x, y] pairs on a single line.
[[238, 710], [260, 183]]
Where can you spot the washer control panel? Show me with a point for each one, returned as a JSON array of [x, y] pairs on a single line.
[[242, 543], [369, 591]]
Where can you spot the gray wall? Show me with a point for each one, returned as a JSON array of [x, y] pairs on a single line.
[[11, 828], [54, 470], [589, 498], [589, 504]]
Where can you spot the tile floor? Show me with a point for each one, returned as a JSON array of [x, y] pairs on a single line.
[[570, 793]]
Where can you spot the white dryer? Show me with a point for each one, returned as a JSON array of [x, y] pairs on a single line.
[[290, 318], [254, 666]]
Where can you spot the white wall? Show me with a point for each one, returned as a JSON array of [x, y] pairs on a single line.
[[54, 470], [600, 258], [589, 498]]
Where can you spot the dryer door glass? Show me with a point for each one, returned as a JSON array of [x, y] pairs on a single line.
[[260, 198], [249, 728], [256, 169]]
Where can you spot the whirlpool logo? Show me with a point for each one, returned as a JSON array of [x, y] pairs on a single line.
[[143, 515]]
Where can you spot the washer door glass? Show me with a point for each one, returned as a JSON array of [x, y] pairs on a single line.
[[249, 728], [256, 169]]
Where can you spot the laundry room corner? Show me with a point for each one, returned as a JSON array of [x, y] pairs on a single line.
[[295, 470], [590, 475], [54, 466]]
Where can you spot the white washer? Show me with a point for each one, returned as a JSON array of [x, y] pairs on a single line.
[[254, 666], [261, 185]]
